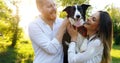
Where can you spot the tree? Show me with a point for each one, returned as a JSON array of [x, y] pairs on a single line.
[[115, 15], [9, 23], [5, 18], [69, 2], [16, 30]]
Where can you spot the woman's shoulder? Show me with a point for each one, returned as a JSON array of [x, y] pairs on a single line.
[[96, 42]]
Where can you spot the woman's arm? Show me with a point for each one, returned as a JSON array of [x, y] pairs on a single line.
[[93, 50]]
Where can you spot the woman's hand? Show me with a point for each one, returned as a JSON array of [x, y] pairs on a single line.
[[72, 32]]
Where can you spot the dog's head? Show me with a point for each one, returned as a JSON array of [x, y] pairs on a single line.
[[76, 14]]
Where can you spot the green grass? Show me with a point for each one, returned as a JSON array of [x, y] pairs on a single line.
[[23, 52], [115, 53]]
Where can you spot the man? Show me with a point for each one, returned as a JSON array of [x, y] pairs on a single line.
[[46, 33]]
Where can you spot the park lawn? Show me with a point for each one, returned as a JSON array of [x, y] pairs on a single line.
[[115, 53], [23, 53]]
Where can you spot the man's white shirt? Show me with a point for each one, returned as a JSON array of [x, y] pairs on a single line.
[[47, 48]]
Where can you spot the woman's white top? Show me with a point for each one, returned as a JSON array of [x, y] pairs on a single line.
[[86, 50], [46, 47]]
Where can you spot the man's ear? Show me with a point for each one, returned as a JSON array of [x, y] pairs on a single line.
[[67, 10]]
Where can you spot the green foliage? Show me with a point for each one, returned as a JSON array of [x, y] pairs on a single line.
[[9, 24], [63, 14], [115, 53], [115, 15], [72, 2], [4, 11], [21, 53], [5, 17]]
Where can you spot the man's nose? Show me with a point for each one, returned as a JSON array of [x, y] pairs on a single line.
[[54, 7]]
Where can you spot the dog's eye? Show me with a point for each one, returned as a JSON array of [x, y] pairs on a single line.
[[79, 8]]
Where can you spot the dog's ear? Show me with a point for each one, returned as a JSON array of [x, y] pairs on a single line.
[[84, 7], [67, 10]]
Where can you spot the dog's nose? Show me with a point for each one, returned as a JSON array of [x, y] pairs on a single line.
[[78, 16]]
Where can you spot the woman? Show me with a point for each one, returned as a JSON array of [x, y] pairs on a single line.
[[96, 47]]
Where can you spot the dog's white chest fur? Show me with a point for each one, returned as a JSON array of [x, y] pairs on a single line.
[[81, 44], [72, 21]]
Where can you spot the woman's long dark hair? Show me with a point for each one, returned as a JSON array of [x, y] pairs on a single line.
[[105, 33]]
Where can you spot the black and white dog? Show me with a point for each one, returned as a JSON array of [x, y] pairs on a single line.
[[76, 15]]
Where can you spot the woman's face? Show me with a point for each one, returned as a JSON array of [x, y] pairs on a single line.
[[92, 23], [48, 9]]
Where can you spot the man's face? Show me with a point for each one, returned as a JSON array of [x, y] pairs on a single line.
[[48, 9]]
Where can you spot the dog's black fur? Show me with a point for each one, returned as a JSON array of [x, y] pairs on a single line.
[[70, 10]]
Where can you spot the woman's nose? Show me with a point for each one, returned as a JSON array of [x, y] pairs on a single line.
[[88, 19]]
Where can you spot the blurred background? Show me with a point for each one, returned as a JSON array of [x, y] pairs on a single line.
[[15, 15]]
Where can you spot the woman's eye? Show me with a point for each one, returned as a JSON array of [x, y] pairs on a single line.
[[93, 18]]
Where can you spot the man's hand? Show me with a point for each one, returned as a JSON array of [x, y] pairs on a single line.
[[72, 32]]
